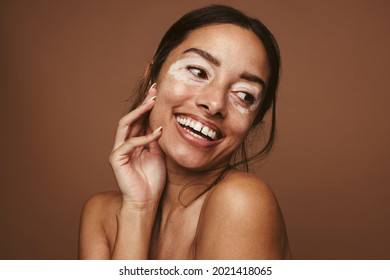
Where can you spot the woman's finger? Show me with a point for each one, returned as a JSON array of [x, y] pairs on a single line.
[[121, 154], [131, 124], [153, 147]]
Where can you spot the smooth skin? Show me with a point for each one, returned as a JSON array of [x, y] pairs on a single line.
[[153, 216]]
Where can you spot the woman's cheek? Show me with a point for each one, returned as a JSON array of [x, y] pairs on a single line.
[[155, 117], [167, 98], [152, 119], [241, 118]]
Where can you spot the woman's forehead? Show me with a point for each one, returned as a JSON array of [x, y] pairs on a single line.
[[228, 44]]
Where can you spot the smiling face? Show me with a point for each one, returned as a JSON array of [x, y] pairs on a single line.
[[208, 93]]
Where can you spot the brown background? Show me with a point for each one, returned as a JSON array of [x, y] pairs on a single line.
[[67, 68]]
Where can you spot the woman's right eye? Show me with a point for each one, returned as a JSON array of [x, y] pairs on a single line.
[[198, 72]]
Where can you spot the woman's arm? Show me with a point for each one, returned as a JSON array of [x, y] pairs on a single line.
[[103, 233], [139, 168], [241, 219], [133, 233], [93, 242]]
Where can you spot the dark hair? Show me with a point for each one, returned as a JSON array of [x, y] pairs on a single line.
[[211, 15]]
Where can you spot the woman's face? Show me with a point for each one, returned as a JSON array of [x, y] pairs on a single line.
[[208, 93]]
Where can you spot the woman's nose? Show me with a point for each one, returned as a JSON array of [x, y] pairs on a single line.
[[212, 100]]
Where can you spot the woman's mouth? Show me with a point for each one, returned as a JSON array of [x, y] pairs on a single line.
[[197, 129]]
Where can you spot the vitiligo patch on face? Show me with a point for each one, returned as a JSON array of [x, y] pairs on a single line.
[[240, 108], [246, 89], [178, 71]]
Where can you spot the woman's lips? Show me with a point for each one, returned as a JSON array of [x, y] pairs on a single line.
[[197, 128], [197, 132]]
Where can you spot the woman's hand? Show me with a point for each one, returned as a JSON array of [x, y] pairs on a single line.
[[137, 160]]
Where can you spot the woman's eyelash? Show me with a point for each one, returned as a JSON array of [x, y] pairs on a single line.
[[247, 97], [202, 74], [198, 72]]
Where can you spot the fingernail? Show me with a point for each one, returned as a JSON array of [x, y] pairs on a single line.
[[151, 99], [157, 130], [151, 87]]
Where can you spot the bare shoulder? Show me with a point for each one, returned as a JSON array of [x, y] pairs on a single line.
[[243, 189], [241, 219], [98, 224], [102, 204], [242, 194]]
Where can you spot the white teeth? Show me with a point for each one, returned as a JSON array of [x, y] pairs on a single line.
[[194, 134], [197, 126], [205, 130]]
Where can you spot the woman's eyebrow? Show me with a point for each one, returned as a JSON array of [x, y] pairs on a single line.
[[253, 78], [215, 61], [205, 55]]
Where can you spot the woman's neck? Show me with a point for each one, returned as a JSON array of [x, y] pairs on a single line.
[[184, 186]]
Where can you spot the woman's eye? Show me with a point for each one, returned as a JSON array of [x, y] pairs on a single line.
[[247, 97], [198, 72]]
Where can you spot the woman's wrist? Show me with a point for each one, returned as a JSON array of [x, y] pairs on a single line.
[[137, 211], [135, 227]]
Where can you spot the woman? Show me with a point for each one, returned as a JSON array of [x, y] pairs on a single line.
[[212, 79]]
